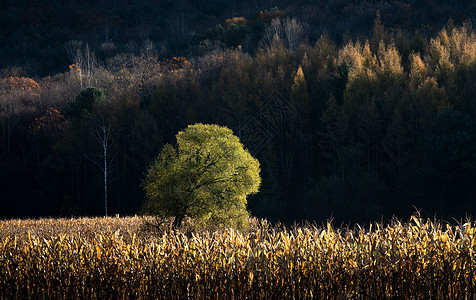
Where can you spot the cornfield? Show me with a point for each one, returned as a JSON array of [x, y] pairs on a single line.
[[111, 258]]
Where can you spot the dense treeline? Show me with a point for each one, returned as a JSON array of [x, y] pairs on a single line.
[[34, 33], [374, 126]]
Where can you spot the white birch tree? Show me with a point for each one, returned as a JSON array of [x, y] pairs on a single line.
[[103, 135]]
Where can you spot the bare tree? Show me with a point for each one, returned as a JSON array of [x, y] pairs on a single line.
[[84, 59], [102, 133], [290, 31], [71, 48], [293, 32], [136, 74], [272, 33]]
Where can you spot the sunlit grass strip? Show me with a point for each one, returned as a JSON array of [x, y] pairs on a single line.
[[110, 258]]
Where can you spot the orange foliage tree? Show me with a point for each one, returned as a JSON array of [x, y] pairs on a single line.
[[50, 122], [18, 84]]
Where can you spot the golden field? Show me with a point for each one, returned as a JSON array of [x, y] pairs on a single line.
[[112, 258]]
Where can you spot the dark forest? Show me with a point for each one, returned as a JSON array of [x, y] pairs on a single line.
[[357, 110]]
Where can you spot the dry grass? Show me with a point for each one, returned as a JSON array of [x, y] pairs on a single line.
[[111, 258]]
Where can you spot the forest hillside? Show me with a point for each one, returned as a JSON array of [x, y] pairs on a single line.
[[356, 110]]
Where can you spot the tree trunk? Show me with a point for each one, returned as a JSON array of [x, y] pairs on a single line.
[[177, 221], [105, 179]]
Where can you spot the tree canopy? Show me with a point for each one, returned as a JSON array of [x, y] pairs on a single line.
[[358, 130], [207, 176], [85, 101]]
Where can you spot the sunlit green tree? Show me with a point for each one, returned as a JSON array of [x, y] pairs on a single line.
[[207, 176]]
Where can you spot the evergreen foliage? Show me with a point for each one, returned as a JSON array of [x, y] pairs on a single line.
[[358, 128], [86, 101]]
